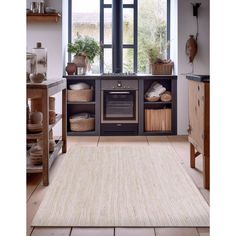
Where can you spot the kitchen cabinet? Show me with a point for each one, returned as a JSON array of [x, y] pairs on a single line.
[[199, 127], [44, 90]]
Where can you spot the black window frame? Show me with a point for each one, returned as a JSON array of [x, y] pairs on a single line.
[[133, 46]]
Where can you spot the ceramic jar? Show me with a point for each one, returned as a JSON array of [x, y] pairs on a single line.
[[191, 48], [71, 68], [36, 117]]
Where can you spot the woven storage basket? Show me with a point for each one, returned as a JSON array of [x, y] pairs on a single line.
[[162, 69], [83, 95], [152, 99], [82, 124]]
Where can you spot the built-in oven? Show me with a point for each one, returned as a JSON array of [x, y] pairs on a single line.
[[119, 107]]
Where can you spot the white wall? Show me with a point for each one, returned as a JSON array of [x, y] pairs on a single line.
[[50, 34], [187, 25]]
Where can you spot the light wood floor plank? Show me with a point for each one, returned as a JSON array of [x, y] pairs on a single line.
[[134, 232], [122, 140], [37, 196], [33, 180], [82, 140], [176, 232], [51, 232], [203, 231], [92, 232]]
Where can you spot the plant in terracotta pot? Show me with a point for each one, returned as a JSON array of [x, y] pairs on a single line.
[[85, 49], [156, 55]]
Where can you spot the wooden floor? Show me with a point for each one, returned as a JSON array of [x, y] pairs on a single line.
[[36, 191]]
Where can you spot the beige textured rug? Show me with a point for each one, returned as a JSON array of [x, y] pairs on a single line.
[[122, 186]]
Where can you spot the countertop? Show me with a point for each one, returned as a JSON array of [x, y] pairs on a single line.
[[199, 78]]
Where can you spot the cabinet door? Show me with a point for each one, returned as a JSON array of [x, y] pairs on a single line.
[[196, 114]]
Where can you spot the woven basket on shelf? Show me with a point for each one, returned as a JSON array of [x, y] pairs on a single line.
[[82, 124], [162, 69], [83, 95], [152, 99]]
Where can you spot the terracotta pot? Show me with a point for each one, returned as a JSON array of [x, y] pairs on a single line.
[[71, 68], [191, 48]]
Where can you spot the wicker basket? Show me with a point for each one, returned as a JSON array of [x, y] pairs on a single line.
[[82, 124], [83, 95], [162, 69], [152, 99]]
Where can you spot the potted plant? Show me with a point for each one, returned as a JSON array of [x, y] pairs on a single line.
[[156, 55], [85, 49]]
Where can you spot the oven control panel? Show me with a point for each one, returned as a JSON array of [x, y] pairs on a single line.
[[119, 84]]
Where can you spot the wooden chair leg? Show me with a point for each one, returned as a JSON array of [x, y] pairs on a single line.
[[206, 172], [192, 156]]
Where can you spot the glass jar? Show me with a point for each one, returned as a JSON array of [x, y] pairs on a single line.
[[30, 65], [41, 59]]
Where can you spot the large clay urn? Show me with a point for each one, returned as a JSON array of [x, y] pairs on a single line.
[[191, 48]]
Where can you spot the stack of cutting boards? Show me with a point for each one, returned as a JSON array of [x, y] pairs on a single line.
[[158, 119]]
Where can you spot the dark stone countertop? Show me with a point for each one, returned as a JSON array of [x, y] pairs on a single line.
[[199, 78]]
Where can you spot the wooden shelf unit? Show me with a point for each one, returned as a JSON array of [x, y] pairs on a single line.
[[45, 17], [44, 91]]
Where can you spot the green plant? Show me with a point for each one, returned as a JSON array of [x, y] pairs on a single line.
[[156, 51], [85, 46]]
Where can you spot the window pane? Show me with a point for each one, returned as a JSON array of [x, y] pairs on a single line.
[[128, 59], [107, 1], [128, 26], [152, 30], [107, 25], [128, 1], [85, 18], [107, 60]]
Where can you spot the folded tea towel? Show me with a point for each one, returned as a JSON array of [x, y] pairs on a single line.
[[79, 86], [156, 93], [155, 90], [80, 116]]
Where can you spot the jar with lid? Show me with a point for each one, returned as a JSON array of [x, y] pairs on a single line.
[[41, 59]]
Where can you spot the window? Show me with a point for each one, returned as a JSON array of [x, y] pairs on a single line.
[[144, 21]]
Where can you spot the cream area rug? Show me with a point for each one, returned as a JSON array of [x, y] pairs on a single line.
[[122, 186]]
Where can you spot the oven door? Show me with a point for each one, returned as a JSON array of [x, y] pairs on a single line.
[[119, 106]]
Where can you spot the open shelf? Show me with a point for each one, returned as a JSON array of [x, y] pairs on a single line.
[[45, 17], [39, 135], [31, 168], [81, 103]]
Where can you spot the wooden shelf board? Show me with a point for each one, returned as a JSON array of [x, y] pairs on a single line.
[[156, 103], [58, 118], [86, 133], [53, 17], [81, 103]]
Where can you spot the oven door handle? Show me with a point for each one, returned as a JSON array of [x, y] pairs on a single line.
[[120, 92]]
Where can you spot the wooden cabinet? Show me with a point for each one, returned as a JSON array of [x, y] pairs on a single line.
[[199, 128], [43, 91]]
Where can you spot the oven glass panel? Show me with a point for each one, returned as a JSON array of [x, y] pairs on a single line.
[[119, 105]]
